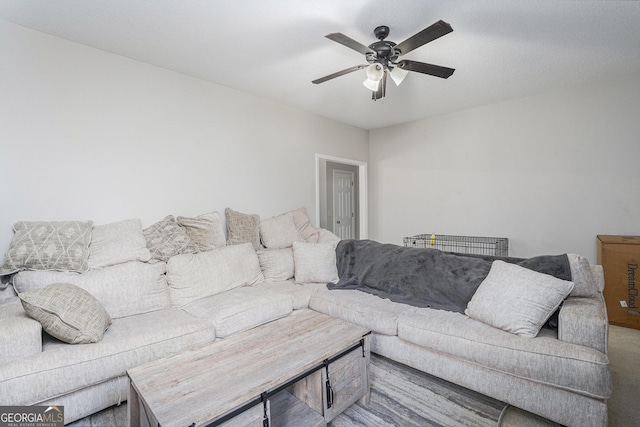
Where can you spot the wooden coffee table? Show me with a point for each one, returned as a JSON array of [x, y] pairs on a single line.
[[300, 370]]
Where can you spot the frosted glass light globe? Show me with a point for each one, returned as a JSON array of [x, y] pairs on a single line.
[[375, 72]]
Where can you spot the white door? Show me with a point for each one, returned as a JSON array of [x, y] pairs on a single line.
[[343, 204]]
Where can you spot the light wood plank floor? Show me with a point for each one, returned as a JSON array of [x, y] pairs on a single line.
[[400, 394]]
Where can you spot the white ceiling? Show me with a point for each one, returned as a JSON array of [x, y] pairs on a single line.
[[501, 49]]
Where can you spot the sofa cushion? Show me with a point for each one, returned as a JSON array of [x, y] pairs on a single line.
[[48, 245], [315, 262], [543, 359], [129, 342], [323, 236], [205, 230], [582, 277], [279, 231], [67, 312], [276, 264], [303, 224], [166, 238], [242, 228], [363, 309], [124, 289], [300, 293], [116, 243], [20, 335], [516, 299], [240, 309], [195, 276]]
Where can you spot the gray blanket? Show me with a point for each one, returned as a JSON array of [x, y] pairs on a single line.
[[425, 277]]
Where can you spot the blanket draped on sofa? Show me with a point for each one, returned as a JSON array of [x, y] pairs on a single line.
[[425, 277]]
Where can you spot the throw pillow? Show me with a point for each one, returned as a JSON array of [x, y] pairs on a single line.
[[205, 230], [303, 224], [242, 228], [48, 245], [117, 243], [516, 299], [68, 313], [326, 236], [279, 231], [276, 264], [166, 238], [315, 262]]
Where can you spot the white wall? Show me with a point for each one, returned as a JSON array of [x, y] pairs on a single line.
[[86, 134], [549, 172]]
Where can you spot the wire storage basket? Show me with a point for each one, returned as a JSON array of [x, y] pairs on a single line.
[[495, 246]]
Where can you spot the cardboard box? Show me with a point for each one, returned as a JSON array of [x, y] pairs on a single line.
[[620, 257]]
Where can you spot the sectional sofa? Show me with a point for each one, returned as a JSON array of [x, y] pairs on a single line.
[[177, 284]]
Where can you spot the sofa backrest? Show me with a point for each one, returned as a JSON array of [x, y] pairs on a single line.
[[194, 276], [123, 289]]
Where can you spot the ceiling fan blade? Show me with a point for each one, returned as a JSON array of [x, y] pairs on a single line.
[[350, 43], [425, 36], [338, 74], [424, 68]]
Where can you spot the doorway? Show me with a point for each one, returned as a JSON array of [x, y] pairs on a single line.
[[341, 199], [344, 204]]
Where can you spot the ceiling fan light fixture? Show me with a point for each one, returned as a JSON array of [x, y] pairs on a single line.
[[375, 72], [398, 74], [382, 57], [372, 85]]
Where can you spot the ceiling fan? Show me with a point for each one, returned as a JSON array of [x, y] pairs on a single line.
[[382, 57]]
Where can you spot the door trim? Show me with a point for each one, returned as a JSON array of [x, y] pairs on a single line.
[[363, 217]]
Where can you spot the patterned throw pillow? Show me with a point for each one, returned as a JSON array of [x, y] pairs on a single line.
[[166, 238], [242, 228], [68, 313], [205, 230], [48, 245]]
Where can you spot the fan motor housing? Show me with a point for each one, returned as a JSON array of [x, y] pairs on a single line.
[[383, 48]]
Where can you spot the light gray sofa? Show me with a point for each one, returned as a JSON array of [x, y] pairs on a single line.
[[562, 374], [159, 309]]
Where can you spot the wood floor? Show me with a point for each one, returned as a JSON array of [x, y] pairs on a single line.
[[404, 396], [400, 396]]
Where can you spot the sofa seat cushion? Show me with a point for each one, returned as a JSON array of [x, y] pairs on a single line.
[[363, 309], [241, 309], [130, 341], [300, 293], [543, 359]]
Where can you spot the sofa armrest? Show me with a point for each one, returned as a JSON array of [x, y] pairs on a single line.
[[20, 335], [598, 275], [583, 321]]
